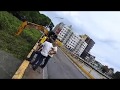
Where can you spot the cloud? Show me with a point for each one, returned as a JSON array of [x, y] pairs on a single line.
[[102, 27]]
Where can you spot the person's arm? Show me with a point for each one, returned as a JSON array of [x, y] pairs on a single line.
[[39, 47], [53, 51]]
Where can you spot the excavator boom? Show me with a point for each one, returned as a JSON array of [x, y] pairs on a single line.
[[26, 24]]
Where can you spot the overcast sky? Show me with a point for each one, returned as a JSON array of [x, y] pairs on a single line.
[[102, 26]]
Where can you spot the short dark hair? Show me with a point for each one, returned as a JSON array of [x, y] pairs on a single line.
[[50, 40], [52, 35]]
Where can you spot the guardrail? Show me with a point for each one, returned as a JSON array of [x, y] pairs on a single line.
[[89, 65], [94, 68]]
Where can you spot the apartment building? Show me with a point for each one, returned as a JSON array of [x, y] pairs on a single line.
[[72, 42], [79, 44], [63, 31], [90, 43], [62, 34], [80, 47], [58, 28], [67, 36]]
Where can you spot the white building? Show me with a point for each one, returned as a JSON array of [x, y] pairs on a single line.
[[63, 31], [72, 41], [67, 36], [58, 28], [80, 47]]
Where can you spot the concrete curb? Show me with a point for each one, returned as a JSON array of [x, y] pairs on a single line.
[[21, 70]]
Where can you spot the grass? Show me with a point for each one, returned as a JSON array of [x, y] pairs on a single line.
[[20, 45]]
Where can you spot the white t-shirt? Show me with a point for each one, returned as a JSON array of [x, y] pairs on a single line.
[[47, 46], [54, 49]]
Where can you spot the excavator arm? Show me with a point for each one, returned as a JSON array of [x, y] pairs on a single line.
[[26, 24], [21, 28]]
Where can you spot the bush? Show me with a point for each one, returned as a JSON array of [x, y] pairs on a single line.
[[20, 45]]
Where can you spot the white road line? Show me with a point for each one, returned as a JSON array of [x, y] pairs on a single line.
[[43, 74]]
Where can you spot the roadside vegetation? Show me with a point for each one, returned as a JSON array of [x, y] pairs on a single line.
[[20, 45]]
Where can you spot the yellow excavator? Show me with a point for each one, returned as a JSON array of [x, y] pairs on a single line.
[[46, 33]]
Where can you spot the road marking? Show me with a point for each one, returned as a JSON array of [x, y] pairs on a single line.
[[20, 72], [43, 74]]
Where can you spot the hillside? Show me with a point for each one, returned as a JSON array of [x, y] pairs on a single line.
[[21, 45], [34, 17]]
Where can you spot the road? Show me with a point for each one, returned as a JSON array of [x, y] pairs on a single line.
[[8, 65], [60, 67]]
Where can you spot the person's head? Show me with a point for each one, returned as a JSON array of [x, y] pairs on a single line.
[[50, 40]]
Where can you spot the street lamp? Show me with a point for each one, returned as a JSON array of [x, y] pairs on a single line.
[[54, 17]]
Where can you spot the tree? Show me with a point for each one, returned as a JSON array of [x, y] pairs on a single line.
[[33, 16], [105, 69], [116, 75], [51, 26]]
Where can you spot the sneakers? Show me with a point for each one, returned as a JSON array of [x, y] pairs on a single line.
[[42, 66], [34, 68]]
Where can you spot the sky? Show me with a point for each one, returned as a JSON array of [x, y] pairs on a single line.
[[102, 26]]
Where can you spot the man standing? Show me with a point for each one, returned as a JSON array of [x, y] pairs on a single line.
[[50, 55], [38, 49], [46, 47]]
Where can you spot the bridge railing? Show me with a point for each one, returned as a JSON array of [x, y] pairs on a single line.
[[89, 65]]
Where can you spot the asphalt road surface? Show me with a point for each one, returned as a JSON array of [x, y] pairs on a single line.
[[60, 67]]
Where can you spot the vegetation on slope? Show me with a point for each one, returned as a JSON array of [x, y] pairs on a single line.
[[21, 45]]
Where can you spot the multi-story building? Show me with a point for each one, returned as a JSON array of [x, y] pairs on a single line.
[[80, 44], [58, 28], [80, 47], [63, 31], [67, 36], [90, 43], [90, 58], [110, 72], [97, 65], [72, 41]]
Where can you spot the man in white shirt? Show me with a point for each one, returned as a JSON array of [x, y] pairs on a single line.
[[46, 47], [50, 55]]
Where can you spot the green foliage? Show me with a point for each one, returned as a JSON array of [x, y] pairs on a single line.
[[33, 16], [20, 45], [116, 75]]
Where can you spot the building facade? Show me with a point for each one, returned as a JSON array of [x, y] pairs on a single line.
[[72, 41], [67, 36], [90, 43], [63, 32], [58, 28], [80, 47]]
